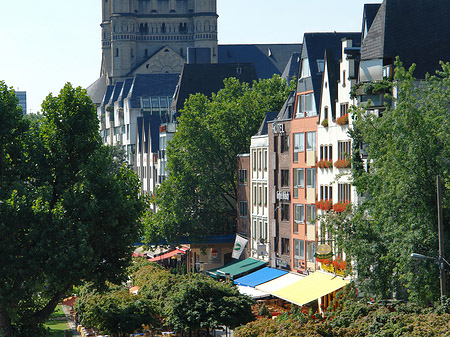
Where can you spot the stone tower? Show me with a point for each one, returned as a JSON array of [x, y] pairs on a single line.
[[152, 36]]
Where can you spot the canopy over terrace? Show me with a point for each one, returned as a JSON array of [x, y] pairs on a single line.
[[168, 255], [279, 283], [236, 269], [310, 288], [260, 276]]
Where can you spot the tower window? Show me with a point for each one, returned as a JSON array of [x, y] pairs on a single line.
[[117, 52], [163, 28]]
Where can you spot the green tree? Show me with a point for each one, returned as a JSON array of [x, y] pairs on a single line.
[[199, 196], [69, 212], [114, 311], [200, 302], [407, 148]]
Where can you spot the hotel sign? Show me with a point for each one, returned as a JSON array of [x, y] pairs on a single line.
[[283, 195]]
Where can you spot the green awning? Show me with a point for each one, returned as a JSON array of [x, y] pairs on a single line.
[[237, 268]]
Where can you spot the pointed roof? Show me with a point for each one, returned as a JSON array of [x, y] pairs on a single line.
[[331, 69], [416, 30], [314, 46], [208, 78], [269, 59]]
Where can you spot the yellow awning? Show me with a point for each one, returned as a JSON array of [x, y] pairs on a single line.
[[311, 288]]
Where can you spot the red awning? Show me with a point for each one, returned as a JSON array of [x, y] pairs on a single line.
[[168, 255]]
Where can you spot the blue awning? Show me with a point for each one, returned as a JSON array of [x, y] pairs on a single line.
[[261, 276]]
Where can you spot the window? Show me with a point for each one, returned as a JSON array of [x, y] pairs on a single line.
[[264, 233], [298, 180], [326, 152], [243, 208], [259, 195], [311, 177], [254, 195], [326, 192], [305, 68], [320, 65], [265, 160], [299, 252], [254, 161], [284, 143], [285, 246], [306, 106], [265, 196], [344, 192], [343, 78], [117, 52], [242, 177], [325, 113], [259, 160], [254, 230], [344, 149], [299, 145], [284, 178], [284, 212], [311, 141], [311, 248], [298, 213], [311, 214], [344, 109]]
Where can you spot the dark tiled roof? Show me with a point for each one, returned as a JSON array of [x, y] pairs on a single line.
[[333, 77], [287, 110], [97, 90], [370, 11], [292, 67], [416, 30], [107, 96], [148, 130], [208, 78], [269, 59], [152, 85], [314, 45], [116, 92], [125, 90], [270, 116]]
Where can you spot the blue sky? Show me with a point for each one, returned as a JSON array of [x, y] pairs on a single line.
[[46, 43]]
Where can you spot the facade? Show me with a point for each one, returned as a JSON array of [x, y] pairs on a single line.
[[334, 143], [22, 97], [243, 198], [259, 186], [305, 149], [279, 131], [148, 37]]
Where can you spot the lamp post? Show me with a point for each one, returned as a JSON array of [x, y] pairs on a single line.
[[439, 260]]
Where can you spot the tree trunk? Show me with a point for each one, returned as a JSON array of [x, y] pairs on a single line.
[[6, 328]]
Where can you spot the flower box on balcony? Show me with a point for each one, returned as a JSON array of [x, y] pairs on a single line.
[[340, 206], [342, 163], [342, 120], [324, 205], [325, 163], [325, 123]]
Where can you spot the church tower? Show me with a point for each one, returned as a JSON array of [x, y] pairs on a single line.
[[153, 36]]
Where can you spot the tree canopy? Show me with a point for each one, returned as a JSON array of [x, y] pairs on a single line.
[[199, 196], [407, 147], [69, 211]]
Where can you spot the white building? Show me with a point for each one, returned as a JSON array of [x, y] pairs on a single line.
[[334, 144]]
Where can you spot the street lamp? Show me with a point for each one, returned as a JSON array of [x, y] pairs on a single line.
[[440, 262]]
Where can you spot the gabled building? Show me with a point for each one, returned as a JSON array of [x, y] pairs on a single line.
[[279, 209], [304, 137], [334, 144], [259, 240]]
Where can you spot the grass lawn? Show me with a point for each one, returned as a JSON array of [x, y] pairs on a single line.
[[57, 323]]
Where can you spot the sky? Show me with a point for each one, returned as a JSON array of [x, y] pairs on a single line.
[[47, 43]]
